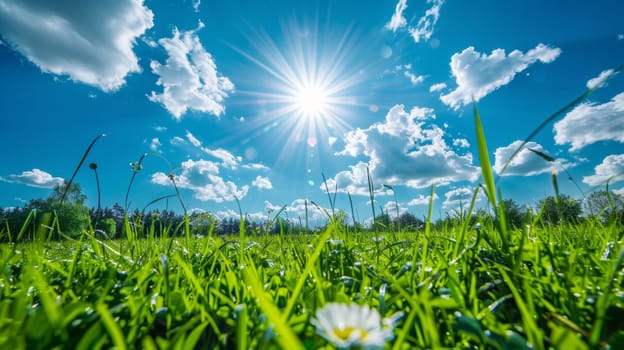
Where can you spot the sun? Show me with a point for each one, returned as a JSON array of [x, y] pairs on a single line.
[[312, 101], [306, 86]]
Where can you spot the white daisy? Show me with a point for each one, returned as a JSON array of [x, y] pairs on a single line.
[[352, 326]]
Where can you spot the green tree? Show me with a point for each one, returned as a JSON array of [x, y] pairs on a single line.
[[562, 209], [74, 193], [514, 213], [200, 223], [410, 222], [71, 217], [108, 226], [383, 221], [607, 206]]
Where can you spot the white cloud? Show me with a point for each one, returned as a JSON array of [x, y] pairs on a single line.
[[424, 28], [228, 160], [460, 197], [297, 210], [407, 72], [196, 4], [478, 74], [406, 149], [599, 81], [422, 200], [255, 166], [612, 165], [526, 162], [155, 144], [262, 182], [90, 42], [355, 143], [176, 140], [192, 139], [160, 128], [461, 143], [34, 178], [397, 21], [588, 123], [390, 208], [226, 214], [414, 79], [189, 78], [202, 177], [437, 87]]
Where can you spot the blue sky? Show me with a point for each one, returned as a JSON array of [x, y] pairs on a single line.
[[257, 100]]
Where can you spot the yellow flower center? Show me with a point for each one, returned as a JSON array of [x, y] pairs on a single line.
[[345, 333]]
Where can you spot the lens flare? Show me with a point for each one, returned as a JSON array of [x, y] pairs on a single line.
[[307, 83]]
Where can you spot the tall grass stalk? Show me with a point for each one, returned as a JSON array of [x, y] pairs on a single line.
[[332, 201], [371, 192], [84, 156], [466, 223], [488, 178]]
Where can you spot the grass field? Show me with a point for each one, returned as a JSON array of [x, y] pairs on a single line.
[[559, 287]]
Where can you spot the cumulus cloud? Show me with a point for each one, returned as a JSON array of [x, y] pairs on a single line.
[[406, 149], [316, 214], [155, 144], [423, 30], [196, 4], [202, 177], [176, 140], [226, 214], [90, 42], [526, 162], [262, 182], [189, 78], [478, 74], [192, 139], [589, 123], [424, 27], [407, 72], [600, 80], [413, 78], [255, 166], [390, 208], [437, 87], [398, 21], [460, 197], [461, 143], [612, 165], [34, 178], [228, 160], [422, 200]]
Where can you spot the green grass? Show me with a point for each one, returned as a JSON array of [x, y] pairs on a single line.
[[204, 293]]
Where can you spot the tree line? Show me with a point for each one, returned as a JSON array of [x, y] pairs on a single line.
[[64, 214]]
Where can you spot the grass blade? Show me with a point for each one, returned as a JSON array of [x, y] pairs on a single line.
[[84, 156], [484, 160]]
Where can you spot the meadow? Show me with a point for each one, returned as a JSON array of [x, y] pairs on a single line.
[[475, 283]]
